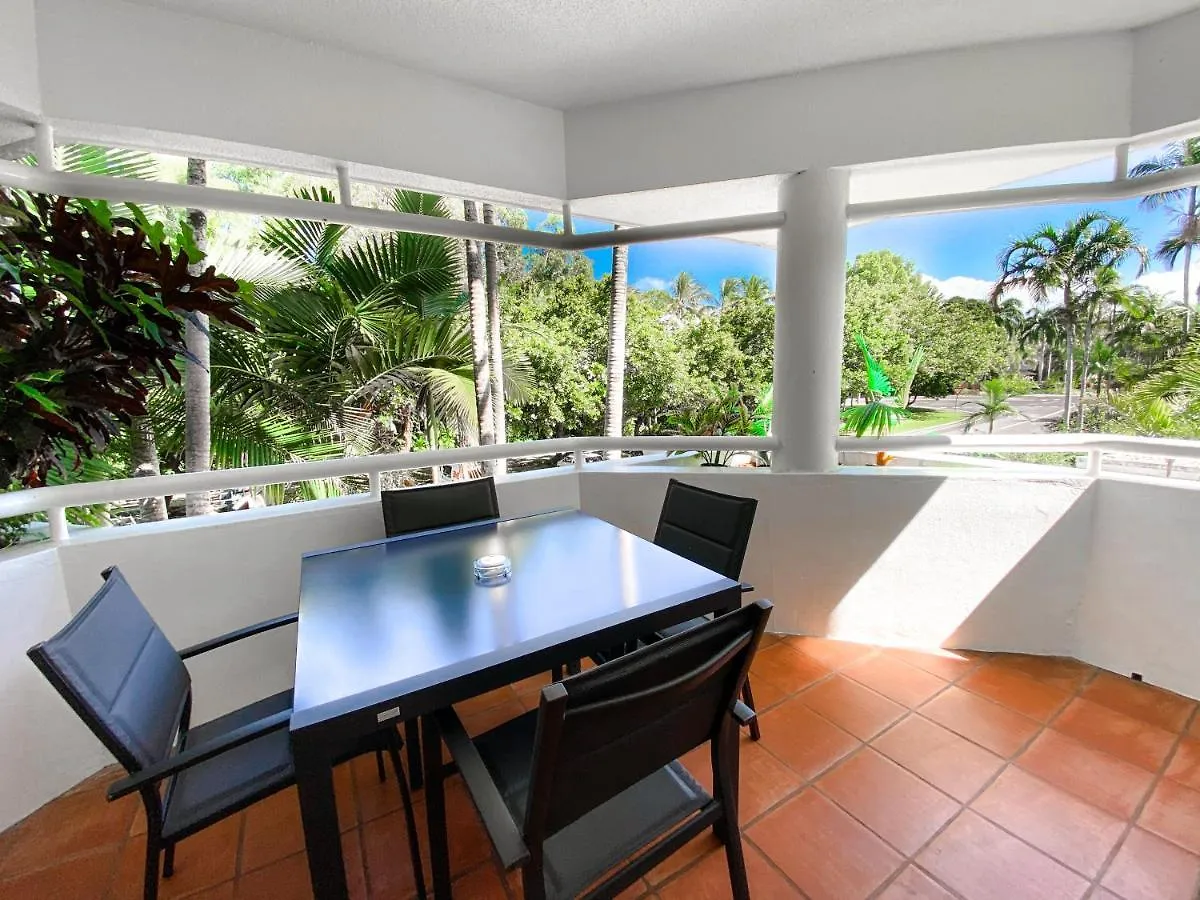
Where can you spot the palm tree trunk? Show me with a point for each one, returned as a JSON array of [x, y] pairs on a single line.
[[492, 263], [1068, 375], [481, 352], [143, 458], [1087, 363], [614, 407], [197, 376], [1187, 266]]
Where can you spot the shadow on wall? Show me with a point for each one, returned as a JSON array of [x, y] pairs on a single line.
[[905, 558]]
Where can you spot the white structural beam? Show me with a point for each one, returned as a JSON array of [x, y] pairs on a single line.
[[1087, 192], [810, 300]]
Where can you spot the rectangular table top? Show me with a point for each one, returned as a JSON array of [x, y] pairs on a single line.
[[399, 627]]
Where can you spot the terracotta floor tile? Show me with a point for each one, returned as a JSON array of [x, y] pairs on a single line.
[[948, 664], [83, 877], [852, 707], [894, 679], [483, 883], [347, 800], [485, 701], [1185, 764], [273, 830], [823, 850], [830, 653], [76, 823], [375, 798], [285, 879], [1016, 690], [1149, 868], [913, 884], [988, 724], [982, 862], [1194, 728], [949, 762], [485, 720], [709, 879], [1106, 729], [1173, 812], [805, 741], [220, 892], [895, 804], [1061, 672], [764, 780], [203, 860], [1057, 823], [356, 873], [1140, 701], [767, 693], [787, 669], [1113, 785], [385, 849], [681, 859]]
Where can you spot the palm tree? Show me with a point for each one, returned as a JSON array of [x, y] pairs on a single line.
[[478, 314], [1182, 204], [756, 288], [614, 406], [993, 406], [492, 264], [1066, 261], [197, 374], [731, 289], [688, 296], [356, 340]]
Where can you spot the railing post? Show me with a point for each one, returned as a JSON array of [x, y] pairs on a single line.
[[1095, 462], [57, 517], [344, 190], [580, 460], [43, 145], [375, 481]]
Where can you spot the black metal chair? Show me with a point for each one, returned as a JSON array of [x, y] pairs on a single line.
[[410, 510], [588, 788], [439, 505], [120, 674]]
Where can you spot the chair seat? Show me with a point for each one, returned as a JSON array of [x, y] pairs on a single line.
[[608, 835], [233, 779]]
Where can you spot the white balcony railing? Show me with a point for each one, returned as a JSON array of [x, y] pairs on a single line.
[[55, 500]]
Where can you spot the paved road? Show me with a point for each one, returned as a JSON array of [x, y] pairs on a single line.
[[1036, 413]]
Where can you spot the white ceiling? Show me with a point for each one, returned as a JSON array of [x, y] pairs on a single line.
[[567, 53]]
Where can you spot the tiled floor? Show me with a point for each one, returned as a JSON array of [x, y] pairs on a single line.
[[882, 773]]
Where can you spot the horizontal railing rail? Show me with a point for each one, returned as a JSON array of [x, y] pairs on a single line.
[[55, 500]]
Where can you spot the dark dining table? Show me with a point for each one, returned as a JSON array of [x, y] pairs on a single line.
[[396, 629]]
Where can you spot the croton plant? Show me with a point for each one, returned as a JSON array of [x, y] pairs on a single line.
[[93, 308]]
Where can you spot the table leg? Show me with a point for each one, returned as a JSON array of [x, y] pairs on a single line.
[[412, 737], [435, 807], [318, 813]]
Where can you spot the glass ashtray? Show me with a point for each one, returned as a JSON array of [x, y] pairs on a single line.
[[494, 569]]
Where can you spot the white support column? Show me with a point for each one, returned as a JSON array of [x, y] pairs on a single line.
[[344, 188], [1121, 162], [810, 301], [43, 145]]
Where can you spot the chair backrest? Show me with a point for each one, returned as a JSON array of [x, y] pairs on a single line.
[[606, 729], [709, 528], [120, 674], [439, 505]]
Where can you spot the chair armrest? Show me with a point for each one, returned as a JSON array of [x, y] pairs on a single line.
[[505, 834], [743, 713], [199, 753], [746, 587], [248, 631]]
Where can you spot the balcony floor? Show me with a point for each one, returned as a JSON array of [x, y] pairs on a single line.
[[881, 773]]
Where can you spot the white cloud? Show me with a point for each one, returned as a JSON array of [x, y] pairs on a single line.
[[650, 284], [962, 286], [1170, 284]]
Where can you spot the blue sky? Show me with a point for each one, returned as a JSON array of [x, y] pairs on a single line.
[[957, 250]]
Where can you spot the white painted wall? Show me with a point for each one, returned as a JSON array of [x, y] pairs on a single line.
[[893, 109], [192, 76], [19, 91], [1143, 597], [914, 558], [1166, 90], [45, 749]]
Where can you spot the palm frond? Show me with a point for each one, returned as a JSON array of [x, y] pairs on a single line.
[[303, 241]]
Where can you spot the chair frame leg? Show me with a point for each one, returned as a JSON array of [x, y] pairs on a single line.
[[412, 738], [381, 770], [150, 884], [726, 766], [410, 822], [168, 868], [748, 699]]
